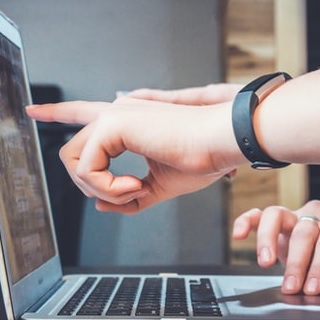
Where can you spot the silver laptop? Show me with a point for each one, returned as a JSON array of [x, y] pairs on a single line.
[[32, 283]]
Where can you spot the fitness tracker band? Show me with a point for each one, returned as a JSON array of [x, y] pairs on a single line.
[[243, 108]]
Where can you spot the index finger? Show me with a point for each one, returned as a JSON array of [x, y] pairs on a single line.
[[75, 112], [210, 94]]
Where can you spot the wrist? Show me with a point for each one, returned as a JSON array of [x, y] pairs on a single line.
[[269, 125], [244, 111], [223, 144]]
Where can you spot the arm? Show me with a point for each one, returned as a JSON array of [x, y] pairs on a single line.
[[187, 148], [287, 121], [170, 173], [297, 101]]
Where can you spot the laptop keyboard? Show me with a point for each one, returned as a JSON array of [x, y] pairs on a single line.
[[134, 296]]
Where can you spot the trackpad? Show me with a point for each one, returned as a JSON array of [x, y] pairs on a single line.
[[263, 298]]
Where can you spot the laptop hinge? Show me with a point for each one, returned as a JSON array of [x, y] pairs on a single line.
[[47, 296]]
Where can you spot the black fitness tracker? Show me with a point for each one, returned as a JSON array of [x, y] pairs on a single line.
[[244, 105]]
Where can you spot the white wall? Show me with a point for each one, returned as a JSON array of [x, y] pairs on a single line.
[[91, 49]]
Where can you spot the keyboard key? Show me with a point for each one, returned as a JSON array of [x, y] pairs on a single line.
[[125, 297], [150, 298], [75, 300], [176, 299], [99, 297], [204, 301]]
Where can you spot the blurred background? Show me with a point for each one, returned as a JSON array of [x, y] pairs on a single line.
[[89, 50]]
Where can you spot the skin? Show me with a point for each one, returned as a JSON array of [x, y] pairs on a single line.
[[295, 244], [188, 148], [279, 235], [113, 128]]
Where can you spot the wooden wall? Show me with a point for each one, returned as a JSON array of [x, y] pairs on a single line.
[[254, 41]]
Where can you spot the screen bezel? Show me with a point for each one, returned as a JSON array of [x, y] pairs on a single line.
[[25, 292]]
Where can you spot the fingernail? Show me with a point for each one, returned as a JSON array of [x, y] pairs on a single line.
[[237, 230], [265, 255], [31, 106], [290, 283], [312, 285], [121, 93]]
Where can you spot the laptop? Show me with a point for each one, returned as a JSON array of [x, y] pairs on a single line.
[[32, 283]]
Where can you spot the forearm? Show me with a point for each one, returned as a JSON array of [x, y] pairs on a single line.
[[287, 122]]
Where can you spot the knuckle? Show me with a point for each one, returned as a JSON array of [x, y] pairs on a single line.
[[298, 233], [122, 100], [77, 180], [314, 270], [63, 152], [81, 172], [275, 210], [313, 206], [295, 268]]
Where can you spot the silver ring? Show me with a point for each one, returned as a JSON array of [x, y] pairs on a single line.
[[309, 218]]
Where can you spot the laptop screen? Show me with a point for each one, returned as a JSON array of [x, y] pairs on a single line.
[[26, 229]]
